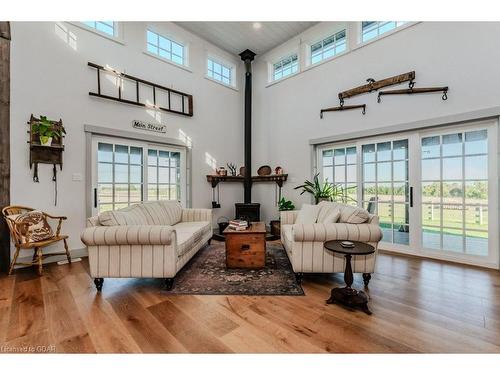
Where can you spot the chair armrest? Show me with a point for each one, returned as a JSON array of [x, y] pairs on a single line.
[[55, 217], [128, 235], [196, 214], [288, 217], [59, 224], [336, 231]]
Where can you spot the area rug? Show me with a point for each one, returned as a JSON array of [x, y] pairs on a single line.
[[206, 274]]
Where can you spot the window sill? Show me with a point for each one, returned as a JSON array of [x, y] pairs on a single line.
[[183, 67], [116, 39], [275, 82], [385, 35], [222, 84]]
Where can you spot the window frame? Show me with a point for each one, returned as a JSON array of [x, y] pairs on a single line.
[[309, 54], [361, 43], [272, 65], [95, 27], [171, 39], [117, 27], [224, 64]]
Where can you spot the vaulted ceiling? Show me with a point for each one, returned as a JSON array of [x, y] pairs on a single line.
[[234, 37]]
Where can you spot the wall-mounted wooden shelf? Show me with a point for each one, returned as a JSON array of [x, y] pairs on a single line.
[[278, 178], [34, 145]]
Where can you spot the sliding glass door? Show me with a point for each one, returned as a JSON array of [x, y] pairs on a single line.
[[435, 192], [126, 172], [454, 192]]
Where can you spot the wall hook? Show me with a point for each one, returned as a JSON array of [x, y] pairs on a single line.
[[445, 95]]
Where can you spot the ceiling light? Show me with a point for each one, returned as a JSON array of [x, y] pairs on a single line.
[[257, 25]]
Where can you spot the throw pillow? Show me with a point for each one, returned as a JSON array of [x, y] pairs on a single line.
[[353, 215], [332, 217], [308, 214], [325, 209], [33, 226]]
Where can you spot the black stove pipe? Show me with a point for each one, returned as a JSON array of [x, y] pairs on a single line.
[[247, 56]]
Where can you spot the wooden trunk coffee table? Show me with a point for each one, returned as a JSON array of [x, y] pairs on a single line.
[[348, 296], [246, 248]]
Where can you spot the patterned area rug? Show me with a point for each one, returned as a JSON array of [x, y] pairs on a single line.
[[206, 273]]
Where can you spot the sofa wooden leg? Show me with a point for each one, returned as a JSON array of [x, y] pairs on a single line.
[[209, 241], [98, 281], [298, 277], [366, 278], [168, 283]]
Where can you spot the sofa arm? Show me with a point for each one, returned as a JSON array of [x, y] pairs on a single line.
[[336, 231], [196, 214], [288, 217], [128, 235]]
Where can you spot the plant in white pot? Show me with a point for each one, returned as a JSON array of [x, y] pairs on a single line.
[[46, 131]]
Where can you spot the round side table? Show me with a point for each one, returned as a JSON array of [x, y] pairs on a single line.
[[348, 296]]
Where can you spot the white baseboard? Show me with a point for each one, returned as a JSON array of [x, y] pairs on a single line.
[[75, 253]]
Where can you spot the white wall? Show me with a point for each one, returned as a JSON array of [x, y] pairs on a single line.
[[50, 77], [462, 56]]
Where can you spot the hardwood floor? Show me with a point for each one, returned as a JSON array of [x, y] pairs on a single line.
[[418, 306]]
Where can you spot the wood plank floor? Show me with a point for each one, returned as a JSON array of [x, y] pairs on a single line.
[[419, 306]]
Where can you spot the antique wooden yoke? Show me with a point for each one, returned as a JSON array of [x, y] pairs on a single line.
[[374, 85]]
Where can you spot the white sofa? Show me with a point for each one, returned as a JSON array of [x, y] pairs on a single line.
[[153, 240], [304, 242]]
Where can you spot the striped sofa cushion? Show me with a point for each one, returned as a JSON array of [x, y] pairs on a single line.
[[148, 213]]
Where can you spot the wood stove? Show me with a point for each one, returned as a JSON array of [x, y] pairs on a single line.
[[248, 211]]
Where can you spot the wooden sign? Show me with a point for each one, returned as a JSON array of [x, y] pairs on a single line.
[[158, 128]]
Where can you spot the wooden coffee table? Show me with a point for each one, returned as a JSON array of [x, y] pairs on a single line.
[[246, 248], [348, 296]]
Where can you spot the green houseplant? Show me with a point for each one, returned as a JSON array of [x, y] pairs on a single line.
[[325, 191], [47, 131], [283, 205]]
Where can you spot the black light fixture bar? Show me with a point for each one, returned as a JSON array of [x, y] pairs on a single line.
[[137, 102]]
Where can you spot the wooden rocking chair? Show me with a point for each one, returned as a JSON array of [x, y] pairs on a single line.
[[23, 243]]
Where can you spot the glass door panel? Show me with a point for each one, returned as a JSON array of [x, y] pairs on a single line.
[[385, 187], [164, 175], [339, 168], [119, 176], [454, 192]]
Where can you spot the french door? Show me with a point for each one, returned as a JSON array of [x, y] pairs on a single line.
[[435, 192], [126, 172]]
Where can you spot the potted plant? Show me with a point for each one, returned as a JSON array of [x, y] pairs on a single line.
[[283, 205], [47, 131], [325, 191]]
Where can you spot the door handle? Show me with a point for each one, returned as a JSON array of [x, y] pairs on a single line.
[[95, 197], [245, 247], [411, 196]]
